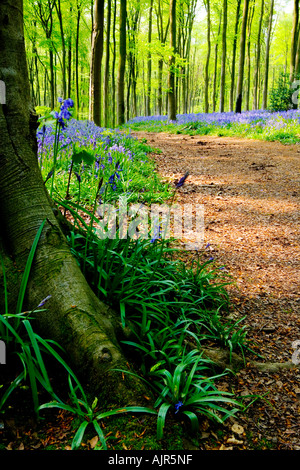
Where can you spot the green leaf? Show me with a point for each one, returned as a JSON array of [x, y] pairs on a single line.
[[28, 268], [82, 156], [79, 435], [161, 419]]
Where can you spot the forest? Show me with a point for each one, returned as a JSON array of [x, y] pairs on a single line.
[[149, 236], [216, 49]]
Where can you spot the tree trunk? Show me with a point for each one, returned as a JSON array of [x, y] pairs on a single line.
[[77, 56], [238, 105], [216, 67], [122, 64], [257, 62], [223, 64], [113, 80], [268, 43], [70, 60], [236, 27], [75, 318], [171, 75], [149, 63], [206, 83], [106, 72], [63, 43], [295, 33], [96, 62], [251, 14]]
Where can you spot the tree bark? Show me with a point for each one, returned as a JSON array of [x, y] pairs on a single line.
[[236, 27], [238, 105], [162, 35], [106, 72], [206, 84], [63, 43], [171, 75], [250, 18], [96, 63], [149, 63], [122, 64], [223, 64], [75, 318], [257, 62], [295, 33], [216, 66], [268, 42], [77, 56]]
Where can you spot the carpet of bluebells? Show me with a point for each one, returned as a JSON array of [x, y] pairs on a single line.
[[283, 125], [111, 154]]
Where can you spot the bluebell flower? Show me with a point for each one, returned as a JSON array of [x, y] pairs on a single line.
[[78, 176], [182, 180], [177, 406], [42, 303]]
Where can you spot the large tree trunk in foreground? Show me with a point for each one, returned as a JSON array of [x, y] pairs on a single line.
[[85, 327]]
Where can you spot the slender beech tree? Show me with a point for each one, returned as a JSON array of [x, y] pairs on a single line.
[[223, 63], [171, 73], [233, 61], [162, 35], [295, 34], [240, 83], [267, 58], [78, 10], [113, 66], [149, 62], [75, 318], [44, 13], [96, 63], [122, 64], [250, 20], [63, 45], [214, 99], [206, 77], [257, 61], [69, 42], [106, 72]]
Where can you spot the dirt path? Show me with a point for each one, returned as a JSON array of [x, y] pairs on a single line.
[[250, 192]]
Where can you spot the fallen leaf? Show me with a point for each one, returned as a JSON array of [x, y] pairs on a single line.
[[93, 442], [237, 429], [233, 440]]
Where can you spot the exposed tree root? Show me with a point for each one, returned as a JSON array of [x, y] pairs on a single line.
[[222, 359]]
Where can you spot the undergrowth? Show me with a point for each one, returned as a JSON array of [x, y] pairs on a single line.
[[170, 311]]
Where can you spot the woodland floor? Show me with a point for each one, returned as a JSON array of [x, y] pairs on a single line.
[[250, 192]]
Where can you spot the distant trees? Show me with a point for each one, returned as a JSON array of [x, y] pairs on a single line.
[[121, 58]]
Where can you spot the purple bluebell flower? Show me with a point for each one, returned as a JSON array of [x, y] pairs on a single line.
[[177, 406], [182, 180], [78, 176], [42, 303]]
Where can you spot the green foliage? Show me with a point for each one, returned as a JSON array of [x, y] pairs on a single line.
[[280, 97], [90, 414], [165, 306]]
